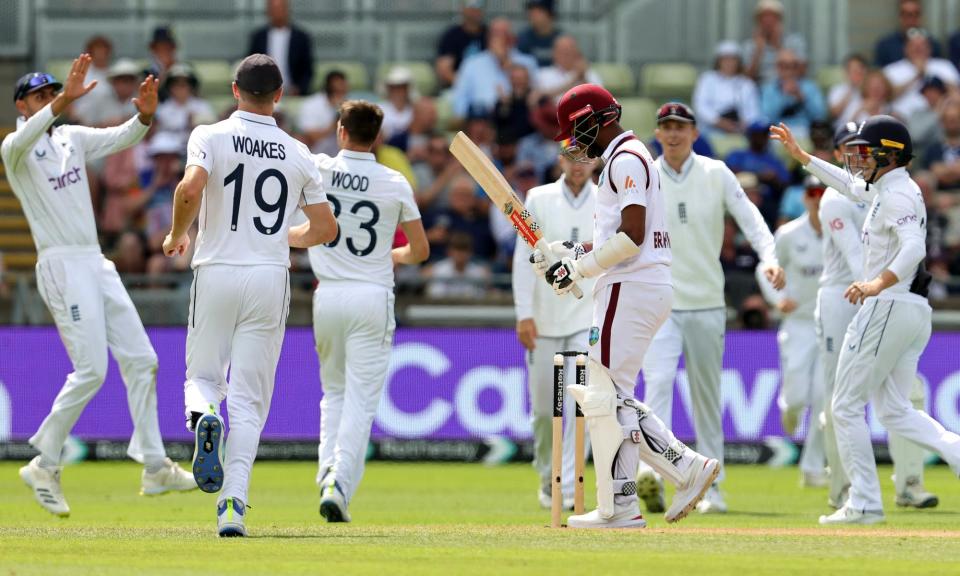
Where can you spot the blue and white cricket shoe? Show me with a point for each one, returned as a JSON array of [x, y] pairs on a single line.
[[333, 503], [208, 453], [231, 513]]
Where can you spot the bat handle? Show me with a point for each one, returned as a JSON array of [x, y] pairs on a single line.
[[548, 254]]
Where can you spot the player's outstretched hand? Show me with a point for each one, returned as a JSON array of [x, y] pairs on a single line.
[[857, 292], [73, 86], [785, 136], [146, 100], [563, 275], [175, 247], [776, 277]]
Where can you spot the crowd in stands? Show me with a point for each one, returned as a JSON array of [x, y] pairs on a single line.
[[503, 85]]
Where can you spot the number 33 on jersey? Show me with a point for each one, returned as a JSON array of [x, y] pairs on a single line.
[[258, 176], [369, 201]]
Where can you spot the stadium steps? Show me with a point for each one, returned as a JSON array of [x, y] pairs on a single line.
[[16, 244]]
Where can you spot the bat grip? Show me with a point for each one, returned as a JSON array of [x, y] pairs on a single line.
[[551, 259]]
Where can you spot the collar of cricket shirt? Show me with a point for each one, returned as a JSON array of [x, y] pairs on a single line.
[[576, 201], [358, 155], [684, 169], [257, 118], [614, 144]]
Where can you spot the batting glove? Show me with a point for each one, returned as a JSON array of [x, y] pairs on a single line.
[[560, 250], [563, 275]]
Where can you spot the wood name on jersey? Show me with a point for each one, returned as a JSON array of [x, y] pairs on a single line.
[[347, 181]]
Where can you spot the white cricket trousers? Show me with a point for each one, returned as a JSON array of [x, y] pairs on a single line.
[[626, 315], [93, 312], [353, 325], [833, 315], [699, 335], [540, 382], [878, 363], [801, 385], [236, 324]]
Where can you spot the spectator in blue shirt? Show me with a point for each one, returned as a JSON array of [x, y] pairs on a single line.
[[484, 77], [538, 38], [770, 169], [792, 98], [889, 49]]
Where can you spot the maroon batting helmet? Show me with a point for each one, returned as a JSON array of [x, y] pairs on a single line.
[[582, 111]]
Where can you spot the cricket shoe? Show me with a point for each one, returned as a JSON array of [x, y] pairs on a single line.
[[847, 515], [231, 512], [208, 453], [45, 483], [546, 500], [650, 490], [169, 478], [836, 501], [712, 502], [702, 472], [628, 518], [914, 496], [333, 503]]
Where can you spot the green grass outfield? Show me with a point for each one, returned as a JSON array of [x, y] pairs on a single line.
[[456, 519]]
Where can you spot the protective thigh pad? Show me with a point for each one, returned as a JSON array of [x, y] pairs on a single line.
[[598, 402]]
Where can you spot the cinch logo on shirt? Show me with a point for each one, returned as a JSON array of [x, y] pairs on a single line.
[[905, 219], [66, 179], [661, 240]]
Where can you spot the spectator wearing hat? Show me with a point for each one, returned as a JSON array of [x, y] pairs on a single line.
[[288, 45], [398, 106], [183, 110], [925, 125], [485, 76], [907, 74], [760, 52], [123, 78], [317, 123], [539, 37], [845, 98], [724, 98], [158, 180], [569, 69], [767, 166], [891, 47], [86, 110], [791, 97], [460, 42], [163, 55]]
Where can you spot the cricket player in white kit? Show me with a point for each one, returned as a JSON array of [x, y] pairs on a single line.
[[245, 177], [842, 219], [799, 250], [353, 322], [46, 167], [882, 346], [547, 324], [630, 257], [697, 192]]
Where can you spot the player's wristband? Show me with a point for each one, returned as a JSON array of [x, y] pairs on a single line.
[[613, 252]]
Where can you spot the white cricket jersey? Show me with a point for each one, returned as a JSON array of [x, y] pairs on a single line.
[[895, 234], [561, 216], [800, 253], [257, 177], [696, 199], [369, 201], [841, 219], [47, 171], [627, 179]]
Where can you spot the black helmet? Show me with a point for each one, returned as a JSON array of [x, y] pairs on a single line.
[[886, 137], [844, 134]]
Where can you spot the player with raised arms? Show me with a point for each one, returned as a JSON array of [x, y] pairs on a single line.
[[353, 316], [882, 346], [630, 259], [46, 167], [245, 178]]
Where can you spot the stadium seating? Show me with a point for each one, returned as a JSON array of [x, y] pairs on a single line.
[[723, 143], [616, 77], [639, 115], [668, 81], [424, 78], [355, 71], [216, 77], [828, 76]]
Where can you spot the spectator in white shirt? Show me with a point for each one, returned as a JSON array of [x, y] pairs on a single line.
[[724, 99], [907, 74], [123, 79], [845, 99], [183, 110], [317, 123], [769, 37], [569, 69], [86, 110], [398, 107]]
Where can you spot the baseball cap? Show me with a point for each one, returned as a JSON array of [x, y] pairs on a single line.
[[163, 34], [758, 126], [398, 76], [933, 82], [769, 6], [32, 82], [676, 111], [727, 48], [165, 142], [124, 67], [258, 74]]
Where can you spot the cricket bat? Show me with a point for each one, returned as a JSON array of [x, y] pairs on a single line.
[[498, 189]]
